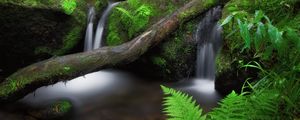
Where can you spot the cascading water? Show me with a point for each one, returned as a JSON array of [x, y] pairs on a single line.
[[88, 45], [101, 25], [91, 41], [208, 37], [110, 94]]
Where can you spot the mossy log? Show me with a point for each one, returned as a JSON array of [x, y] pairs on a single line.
[[66, 67]]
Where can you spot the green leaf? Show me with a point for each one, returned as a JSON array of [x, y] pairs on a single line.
[[276, 37], [274, 34], [180, 106], [292, 35], [125, 12], [258, 16], [267, 53], [245, 33], [227, 20], [259, 35]]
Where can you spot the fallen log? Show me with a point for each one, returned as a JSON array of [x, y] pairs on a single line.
[[66, 67]]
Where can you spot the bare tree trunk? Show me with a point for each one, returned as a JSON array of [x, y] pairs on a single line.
[[66, 67]]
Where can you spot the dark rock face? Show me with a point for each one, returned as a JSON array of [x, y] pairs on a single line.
[[234, 79], [172, 60], [23, 30]]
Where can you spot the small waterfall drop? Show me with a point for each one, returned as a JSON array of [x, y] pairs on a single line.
[[88, 45], [208, 37], [91, 41], [101, 25]]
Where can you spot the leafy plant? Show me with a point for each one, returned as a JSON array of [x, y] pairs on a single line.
[[180, 106], [133, 18], [137, 19], [269, 97], [159, 61], [69, 6], [259, 34]]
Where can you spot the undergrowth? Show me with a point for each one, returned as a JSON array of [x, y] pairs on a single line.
[[69, 6], [133, 18], [269, 31]]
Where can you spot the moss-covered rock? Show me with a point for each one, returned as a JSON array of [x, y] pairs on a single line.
[[57, 110], [33, 30]]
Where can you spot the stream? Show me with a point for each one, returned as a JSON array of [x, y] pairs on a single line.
[[119, 95]]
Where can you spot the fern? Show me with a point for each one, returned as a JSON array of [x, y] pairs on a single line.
[[136, 17], [232, 107], [180, 106]]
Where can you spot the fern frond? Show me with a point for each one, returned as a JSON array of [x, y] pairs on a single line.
[[180, 106], [125, 12], [232, 107]]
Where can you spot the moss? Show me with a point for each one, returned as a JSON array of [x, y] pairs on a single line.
[[16, 82], [223, 63], [175, 57], [70, 40], [68, 6], [159, 61], [207, 4], [62, 106]]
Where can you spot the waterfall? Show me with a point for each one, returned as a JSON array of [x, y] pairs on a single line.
[[91, 41], [101, 25], [208, 37], [88, 45]]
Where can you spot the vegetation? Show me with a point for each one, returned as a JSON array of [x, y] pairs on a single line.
[[134, 18], [180, 106], [62, 106], [272, 46], [259, 34], [68, 6]]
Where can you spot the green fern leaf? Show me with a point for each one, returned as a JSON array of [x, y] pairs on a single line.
[[231, 108], [180, 106], [125, 12]]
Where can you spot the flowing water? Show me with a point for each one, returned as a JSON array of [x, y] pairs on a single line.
[[101, 25], [119, 95], [208, 36], [88, 45]]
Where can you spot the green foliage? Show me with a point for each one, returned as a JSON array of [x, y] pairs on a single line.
[[261, 36], [270, 38], [69, 41], [276, 9], [69, 6], [159, 61], [257, 106], [269, 100], [114, 39], [133, 18], [180, 106], [62, 106]]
